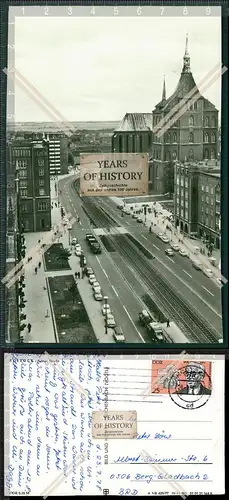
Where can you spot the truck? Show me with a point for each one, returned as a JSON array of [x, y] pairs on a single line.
[[145, 318], [157, 332], [95, 246]]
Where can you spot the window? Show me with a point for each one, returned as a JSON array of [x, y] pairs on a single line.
[[182, 192], [182, 181], [207, 189], [149, 140], [157, 155], [206, 122], [178, 189], [186, 183], [206, 221], [42, 206], [195, 105], [182, 212], [186, 195], [207, 199], [206, 137], [178, 180], [41, 192], [191, 121], [206, 210], [206, 154], [22, 183], [212, 190], [202, 219], [41, 171], [156, 171], [22, 173], [186, 214], [168, 138], [24, 207], [41, 163], [177, 210], [213, 122], [202, 197], [167, 156], [202, 188], [213, 138], [202, 209], [174, 155], [212, 201], [191, 138], [174, 137], [186, 204], [41, 182], [211, 212], [178, 200], [191, 154], [23, 193], [212, 154]]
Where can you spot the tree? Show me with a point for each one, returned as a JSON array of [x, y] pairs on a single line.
[[168, 178], [63, 256]]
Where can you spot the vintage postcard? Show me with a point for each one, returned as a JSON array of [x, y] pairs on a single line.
[[89, 425], [114, 175]]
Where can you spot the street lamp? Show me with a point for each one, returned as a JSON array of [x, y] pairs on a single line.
[[105, 300]]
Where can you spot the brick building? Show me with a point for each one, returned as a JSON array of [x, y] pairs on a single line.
[[197, 199], [192, 137], [29, 165]]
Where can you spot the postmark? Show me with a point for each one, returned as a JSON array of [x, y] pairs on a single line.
[[114, 424], [188, 383]]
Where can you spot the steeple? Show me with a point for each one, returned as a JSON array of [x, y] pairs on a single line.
[[186, 58], [164, 91]]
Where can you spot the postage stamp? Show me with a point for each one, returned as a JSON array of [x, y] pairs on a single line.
[[114, 424], [188, 383]]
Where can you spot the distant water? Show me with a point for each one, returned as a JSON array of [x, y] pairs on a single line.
[[53, 127]]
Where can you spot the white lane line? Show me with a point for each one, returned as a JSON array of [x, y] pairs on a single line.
[[115, 291], [129, 316], [144, 237], [207, 290], [170, 258], [156, 247], [105, 274], [187, 273]]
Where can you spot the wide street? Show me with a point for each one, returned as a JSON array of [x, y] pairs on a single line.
[[120, 282]]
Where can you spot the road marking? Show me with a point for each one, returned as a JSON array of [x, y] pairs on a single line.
[[115, 291], [156, 247], [207, 290], [187, 273], [129, 316], [170, 258], [105, 273], [145, 238]]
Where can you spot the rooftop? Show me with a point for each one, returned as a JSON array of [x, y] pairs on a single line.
[[134, 122]]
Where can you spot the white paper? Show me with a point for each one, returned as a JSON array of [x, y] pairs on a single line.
[[49, 403]]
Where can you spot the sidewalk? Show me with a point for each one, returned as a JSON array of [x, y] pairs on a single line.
[[38, 309]]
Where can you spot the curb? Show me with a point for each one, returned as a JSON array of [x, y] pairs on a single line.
[[52, 311]]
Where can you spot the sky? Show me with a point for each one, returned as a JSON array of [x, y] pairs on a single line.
[[93, 69]]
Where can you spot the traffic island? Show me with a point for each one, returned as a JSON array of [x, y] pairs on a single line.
[[71, 318], [56, 258]]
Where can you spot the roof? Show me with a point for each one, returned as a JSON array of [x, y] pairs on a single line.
[[185, 85], [134, 122]]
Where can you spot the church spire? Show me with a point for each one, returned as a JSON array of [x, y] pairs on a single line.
[[186, 58], [164, 91]]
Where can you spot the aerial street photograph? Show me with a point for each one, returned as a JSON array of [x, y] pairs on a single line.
[[114, 178]]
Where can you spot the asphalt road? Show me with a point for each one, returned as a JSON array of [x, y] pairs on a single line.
[[119, 283]]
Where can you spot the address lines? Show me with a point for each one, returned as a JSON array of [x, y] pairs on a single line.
[[118, 11]]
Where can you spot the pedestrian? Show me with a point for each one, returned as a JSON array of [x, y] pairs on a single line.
[[150, 229], [29, 326], [35, 270], [39, 241], [39, 265], [168, 323], [76, 276]]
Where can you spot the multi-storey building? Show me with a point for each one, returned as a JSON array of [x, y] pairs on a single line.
[[197, 199], [58, 153], [191, 136], [29, 163]]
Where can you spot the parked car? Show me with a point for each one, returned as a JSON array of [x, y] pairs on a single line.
[[156, 331], [135, 216], [196, 264], [175, 247], [169, 252], [165, 239], [183, 252], [139, 219], [127, 212], [106, 309], [74, 241], [92, 279], [118, 334], [89, 271], [95, 246], [144, 317], [160, 235], [219, 281], [89, 235], [97, 295], [110, 321], [208, 272], [96, 286], [120, 207]]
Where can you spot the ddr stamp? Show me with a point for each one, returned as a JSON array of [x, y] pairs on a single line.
[[188, 383], [114, 424]]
